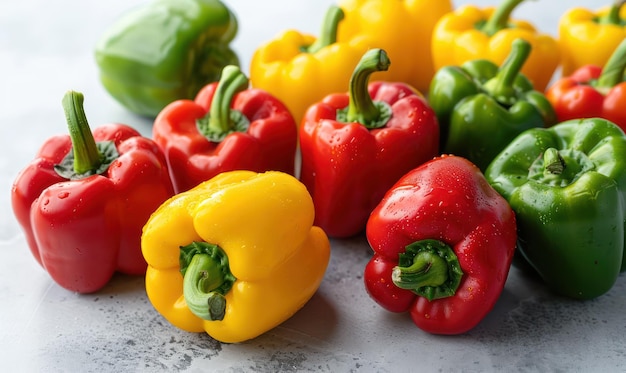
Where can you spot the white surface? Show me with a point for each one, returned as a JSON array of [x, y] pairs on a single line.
[[45, 49]]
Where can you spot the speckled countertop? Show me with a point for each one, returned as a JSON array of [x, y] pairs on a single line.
[[46, 48]]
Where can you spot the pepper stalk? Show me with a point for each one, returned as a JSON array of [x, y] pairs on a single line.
[[614, 69], [87, 156], [429, 268], [501, 86], [362, 109], [500, 17], [206, 279], [328, 34], [612, 17], [222, 120]]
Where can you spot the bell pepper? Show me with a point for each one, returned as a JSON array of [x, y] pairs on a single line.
[[470, 33], [84, 199], [235, 256], [443, 242], [164, 51], [589, 37], [300, 69], [356, 145], [481, 107], [593, 91], [567, 186], [227, 127], [402, 28]]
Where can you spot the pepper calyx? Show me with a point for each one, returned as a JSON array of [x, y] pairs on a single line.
[[87, 157], [429, 268], [221, 119], [559, 167], [206, 279]]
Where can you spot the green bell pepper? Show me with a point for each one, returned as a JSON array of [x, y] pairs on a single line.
[[567, 186], [165, 51], [481, 106]]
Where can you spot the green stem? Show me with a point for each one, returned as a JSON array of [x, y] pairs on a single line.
[[613, 16], [328, 34], [501, 87], [500, 17], [613, 71], [429, 268], [362, 109], [222, 120], [553, 163], [86, 154], [206, 279]]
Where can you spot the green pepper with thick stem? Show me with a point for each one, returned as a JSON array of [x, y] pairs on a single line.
[[567, 186], [165, 51], [481, 107]]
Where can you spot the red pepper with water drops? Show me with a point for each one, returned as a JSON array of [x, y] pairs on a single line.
[[443, 242], [356, 145], [84, 200]]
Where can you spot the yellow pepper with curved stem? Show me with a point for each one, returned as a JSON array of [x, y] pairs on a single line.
[[403, 28], [300, 69], [235, 256], [470, 33], [589, 37]]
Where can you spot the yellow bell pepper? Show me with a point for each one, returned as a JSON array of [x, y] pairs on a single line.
[[402, 28], [588, 37], [300, 69], [471, 33], [235, 256]]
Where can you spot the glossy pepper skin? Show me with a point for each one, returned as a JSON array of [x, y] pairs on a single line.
[[84, 199], [443, 242], [402, 28], [589, 37], [235, 256], [355, 145], [165, 51], [593, 91], [470, 33], [567, 186], [228, 126], [481, 107], [300, 69]]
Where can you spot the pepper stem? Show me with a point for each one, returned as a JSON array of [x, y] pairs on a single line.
[[86, 154], [362, 109], [613, 71], [501, 87], [429, 268], [222, 120], [553, 163], [500, 17], [206, 279], [328, 34], [612, 17]]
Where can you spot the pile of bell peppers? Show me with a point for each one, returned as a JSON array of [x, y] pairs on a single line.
[[447, 187]]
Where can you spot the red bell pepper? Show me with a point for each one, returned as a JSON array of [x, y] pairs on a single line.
[[227, 127], [84, 200], [356, 145], [593, 91], [444, 241]]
